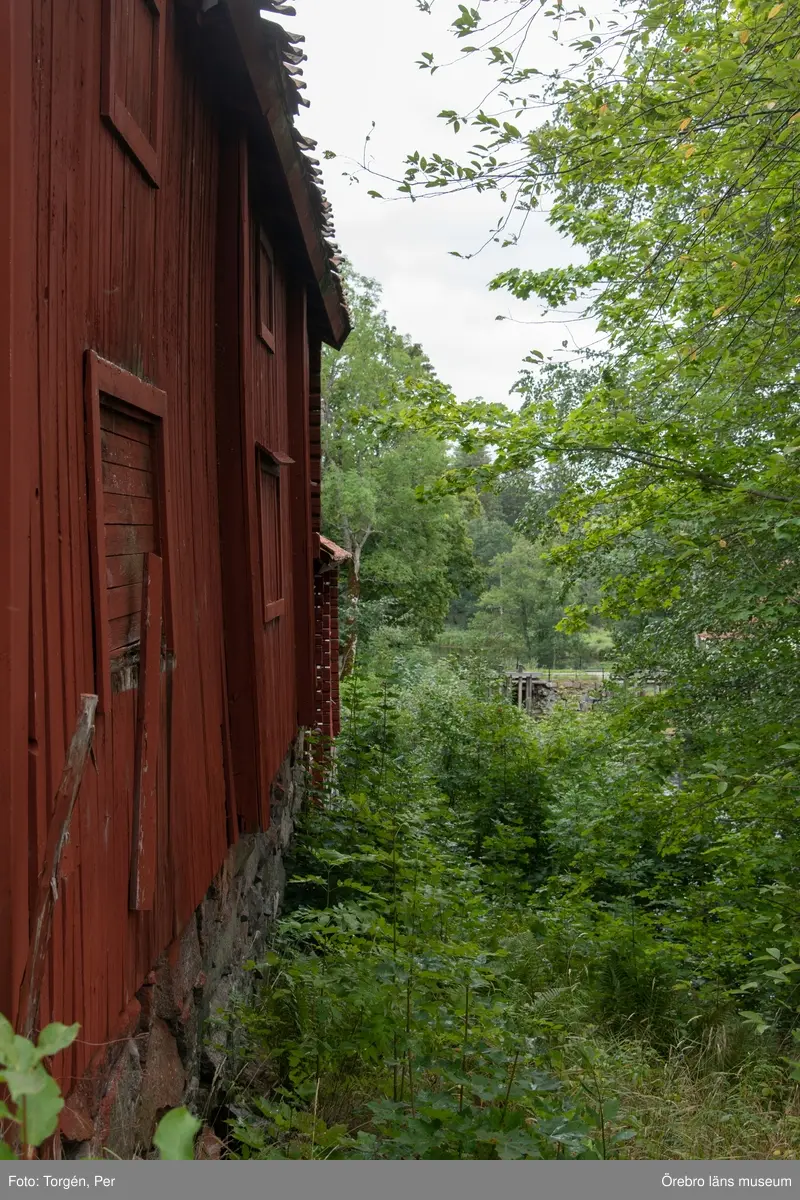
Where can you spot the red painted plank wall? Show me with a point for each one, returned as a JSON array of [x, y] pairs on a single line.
[[315, 422], [266, 389], [262, 458], [326, 631], [128, 270], [17, 498]]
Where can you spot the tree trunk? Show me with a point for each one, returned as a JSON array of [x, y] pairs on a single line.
[[353, 602]]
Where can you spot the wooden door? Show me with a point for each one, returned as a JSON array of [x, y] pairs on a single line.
[[129, 521]]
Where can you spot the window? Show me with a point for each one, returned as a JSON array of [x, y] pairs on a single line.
[[268, 482], [128, 512], [133, 77], [265, 277]]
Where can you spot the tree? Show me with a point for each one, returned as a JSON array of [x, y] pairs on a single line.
[[669, 157], [409, 558], [520, 611], [670, 160]]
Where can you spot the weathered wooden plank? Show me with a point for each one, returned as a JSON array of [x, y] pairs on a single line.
[[116, 864], [232, 817], [123, 601], [128, 510], [126, 452], [57, 837], [114, 421], [90, 886], [94, 417], [127, 482], [148, 736], [124, 569], [124, 631], [129, 539]]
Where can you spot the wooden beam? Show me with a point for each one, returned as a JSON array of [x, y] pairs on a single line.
[[50, 877], [234, 483], [148, 737]]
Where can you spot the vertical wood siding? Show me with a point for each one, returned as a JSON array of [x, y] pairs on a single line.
[[128, 270], [166, 282], [326, 636], [254, 428], [19, 721], [298, 385], [266, 389]]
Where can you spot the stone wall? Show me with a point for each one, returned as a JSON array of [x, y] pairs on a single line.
[[169, 1049]]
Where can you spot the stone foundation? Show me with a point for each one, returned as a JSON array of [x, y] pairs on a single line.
[[168, 1049]]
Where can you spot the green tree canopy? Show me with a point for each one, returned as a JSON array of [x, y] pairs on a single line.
[[667, 152], [668, 155], [409, 559]]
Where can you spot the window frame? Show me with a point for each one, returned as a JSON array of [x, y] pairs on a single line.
[[272, 463], [143, 401], [144, 149]]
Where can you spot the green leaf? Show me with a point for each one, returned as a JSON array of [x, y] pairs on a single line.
[[6, 1040], [756, 1019], [42, 1112], [22, 1054], [174, 1137], [25, 1083], [56, 1037], [6, 1153]]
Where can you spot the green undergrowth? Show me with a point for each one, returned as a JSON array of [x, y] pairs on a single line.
[[486, 953]]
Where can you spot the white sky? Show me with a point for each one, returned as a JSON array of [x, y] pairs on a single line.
[[361, 68]]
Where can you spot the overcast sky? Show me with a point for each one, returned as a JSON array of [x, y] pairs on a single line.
[[361, 68]]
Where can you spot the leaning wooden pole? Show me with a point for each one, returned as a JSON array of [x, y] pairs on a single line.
[[49, 879]]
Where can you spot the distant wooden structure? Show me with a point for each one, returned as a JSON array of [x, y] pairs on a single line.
[[529, 691], [167, 279]]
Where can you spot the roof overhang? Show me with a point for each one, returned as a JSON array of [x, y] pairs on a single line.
[[253, 65], [329, 552]]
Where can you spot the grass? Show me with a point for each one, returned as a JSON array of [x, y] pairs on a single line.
[[720, 1093], [682, 1108]]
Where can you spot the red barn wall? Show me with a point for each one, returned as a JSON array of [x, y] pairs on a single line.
[[131, 271], [266, 390], [17, 401], [127, 270]]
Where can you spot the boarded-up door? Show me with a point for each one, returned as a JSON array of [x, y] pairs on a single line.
[[134, 642]]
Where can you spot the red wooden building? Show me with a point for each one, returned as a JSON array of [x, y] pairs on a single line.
[[329, 559], [167, 279]]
